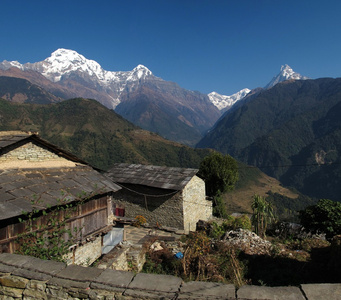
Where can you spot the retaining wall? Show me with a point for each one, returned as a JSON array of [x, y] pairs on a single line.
[[25, 277]]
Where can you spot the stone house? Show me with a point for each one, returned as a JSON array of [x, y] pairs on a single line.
[[168, 197], [36, 175]]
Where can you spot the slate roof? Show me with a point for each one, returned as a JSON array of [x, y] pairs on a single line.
[[152, 176], [18, 187]]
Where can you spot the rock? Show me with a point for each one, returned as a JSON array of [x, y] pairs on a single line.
[[247, 241], [156, 246], [13, 281]]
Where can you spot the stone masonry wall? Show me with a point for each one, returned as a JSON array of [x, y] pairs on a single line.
[[162, 210], [86, 254], [195, 205], [25, 277], [30, 152]]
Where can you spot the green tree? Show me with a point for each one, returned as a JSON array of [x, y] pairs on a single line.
[[219, 207], [262, 215], [325, 216], [220, 173]]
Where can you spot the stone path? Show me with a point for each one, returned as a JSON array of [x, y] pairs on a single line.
[[139, 235]]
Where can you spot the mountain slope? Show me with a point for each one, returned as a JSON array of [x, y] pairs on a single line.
[[96, 134], [294, 123], [72, 75], [173, 112], [22, 91]]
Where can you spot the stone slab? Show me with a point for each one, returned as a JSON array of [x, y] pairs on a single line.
[[253, 292], [78, 273], [49, 267], [15, 260], [328, 291], [20, 271], [207, 290], [165, 286], [6, 268], [31, 274], [66, 283], [113, 280]]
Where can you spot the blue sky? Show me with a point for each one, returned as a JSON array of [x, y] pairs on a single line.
[[207, 46]]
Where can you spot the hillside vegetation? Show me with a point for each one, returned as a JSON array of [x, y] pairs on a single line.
[[291, 132], [286, 201], [96, 134], [22, 91]]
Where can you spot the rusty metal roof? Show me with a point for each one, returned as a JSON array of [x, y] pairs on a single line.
[[20, 188], [153, 176]]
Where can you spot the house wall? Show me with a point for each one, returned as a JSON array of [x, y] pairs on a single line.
[[86, 254], [30, 154], [195, 205], [88, 221], [161, 210]]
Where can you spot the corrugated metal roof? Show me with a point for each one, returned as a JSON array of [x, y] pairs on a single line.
[[19, 187], [153, 176]]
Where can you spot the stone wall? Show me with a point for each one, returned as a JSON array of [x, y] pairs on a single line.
[[24, 277], [180, 210], [157, 209], [86, 254], [30, 154], [195, 205]]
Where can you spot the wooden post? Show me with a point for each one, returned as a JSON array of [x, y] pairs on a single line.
[[145, 201]]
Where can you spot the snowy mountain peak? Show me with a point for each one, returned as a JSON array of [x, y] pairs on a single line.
[[141, 72], [66, 54], [9, 64], [222, 101], [63, 62], [286, 73]]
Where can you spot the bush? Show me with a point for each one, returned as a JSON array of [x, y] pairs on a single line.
[[242, 222], [139, 221], [219, 207], [325, 217], [230, 223]]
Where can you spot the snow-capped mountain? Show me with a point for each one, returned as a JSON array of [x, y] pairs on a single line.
[[137, 95], [225, 102], [66, 64], [286, 73]]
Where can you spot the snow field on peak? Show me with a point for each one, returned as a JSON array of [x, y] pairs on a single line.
[[65, 61], [222, 101]]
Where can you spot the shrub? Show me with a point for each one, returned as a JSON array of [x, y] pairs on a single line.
[[325, 217], [242, 222], [139, 221]]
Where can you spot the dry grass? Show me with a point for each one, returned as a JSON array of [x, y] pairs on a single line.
[[240, 199]]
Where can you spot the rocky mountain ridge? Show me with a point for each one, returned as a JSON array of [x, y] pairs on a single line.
[[291, 132], [65, 63], [140, 95], [142, 98]]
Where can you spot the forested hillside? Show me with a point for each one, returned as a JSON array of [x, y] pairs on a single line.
[[291, 132], [96, 134]]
